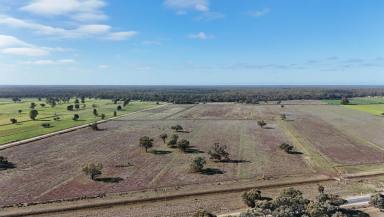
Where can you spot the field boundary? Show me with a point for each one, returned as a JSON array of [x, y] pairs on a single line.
[[33, 139]]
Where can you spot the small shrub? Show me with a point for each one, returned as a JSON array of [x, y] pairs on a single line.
[[377, 200], [94, 126], [114, 113], [219, 152], [146, 142], [163, 137], [5, 164], [93, 170], [286, 147], [173, 141], [197, 164], [70, 108], [103, 116], [261, 123], [13, 120], [33, 114], [46, 125], [119, 108]]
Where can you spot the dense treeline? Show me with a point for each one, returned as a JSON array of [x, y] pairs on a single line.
[[194, 94]]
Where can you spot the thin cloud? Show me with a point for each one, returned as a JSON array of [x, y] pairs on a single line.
[[50, 62], [80, 10], [181, 6], [200, 36], [208, 16], [82, 31], [25, 51], [259, 13]]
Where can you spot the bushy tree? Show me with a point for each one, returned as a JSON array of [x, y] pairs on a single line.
[[83, 99], [219, 152], [70, 107], [103, 116], [250, 197], [163, 137], [46, 125], [177, 128], [32, 105], [119, 108], [377, 200], [183, 145], [203, 213], [33, 114], [173, 141], [77, 106], [95, 113], [339, 214], [114, 113], [75, 117], [93, 170], [146, 143], [290, 203], [197, 164], [13, 120], [283, 117]]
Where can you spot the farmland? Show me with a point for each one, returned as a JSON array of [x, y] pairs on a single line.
[[329, 141], [26, 128]]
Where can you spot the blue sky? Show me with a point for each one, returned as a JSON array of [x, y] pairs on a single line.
[[192, 42]]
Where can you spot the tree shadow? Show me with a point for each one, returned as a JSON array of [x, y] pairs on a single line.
[[6, 166], [109, 179], [354, 213], [183, 131], [295, 152], [268, 128], [159, 152], [211, 171], [235, 161], [193, 150]]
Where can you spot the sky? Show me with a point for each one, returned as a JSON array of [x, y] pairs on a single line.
[[192, 42]]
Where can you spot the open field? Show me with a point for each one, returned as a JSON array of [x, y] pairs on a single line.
[[327, 138], [26, 128], [358, 101]]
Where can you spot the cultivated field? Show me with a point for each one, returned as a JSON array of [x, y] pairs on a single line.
[[26, 128], [325, 138]]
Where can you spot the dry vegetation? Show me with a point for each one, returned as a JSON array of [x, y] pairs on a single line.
[[51, 169]]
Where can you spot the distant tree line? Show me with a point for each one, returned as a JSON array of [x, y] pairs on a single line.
[[190, 94]]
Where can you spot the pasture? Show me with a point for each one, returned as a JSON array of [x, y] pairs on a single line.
[[26, 128], [328, 140]]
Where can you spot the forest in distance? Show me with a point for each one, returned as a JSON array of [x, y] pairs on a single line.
[[194, 94]]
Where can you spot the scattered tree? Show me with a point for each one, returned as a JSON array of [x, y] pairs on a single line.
[[183, 145], [94, 126], [377, 200], [42, 105], [83, 99], [219, 152], [286, 147], [13, 120], [177, 128], [173, 141], [70, 108], [103, 116], [146, 142], [261, 123], [250, 197], [119, 108], [203, 213], [19, 111], [32, 105], [114, 113], [95, 113], [344, 100], [197, 164], [93, 170], [164, 137], [33, 114], [75, 117], [77, 106]]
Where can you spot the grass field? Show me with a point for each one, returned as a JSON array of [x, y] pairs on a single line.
[[358, 101], [376, 109], [26, 128]]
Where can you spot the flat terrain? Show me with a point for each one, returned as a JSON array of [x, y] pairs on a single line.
[[329, 140], [26, 128]]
